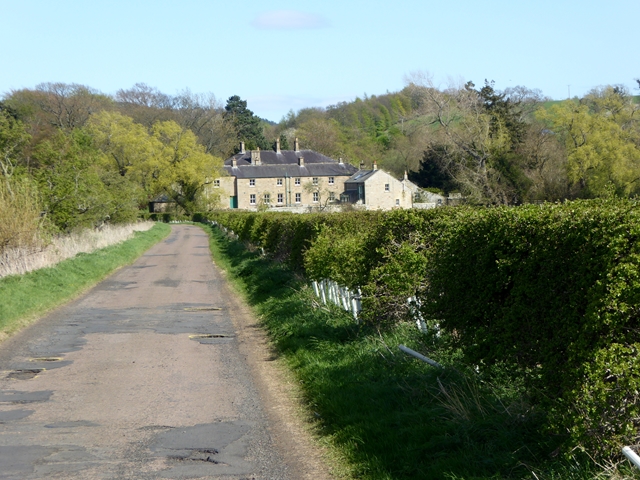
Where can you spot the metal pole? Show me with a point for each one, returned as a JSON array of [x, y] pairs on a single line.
[[419, 356], [632, 456]]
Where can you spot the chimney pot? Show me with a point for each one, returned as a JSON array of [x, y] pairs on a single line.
[[361, 165], [242, 147], [340, 161], [277, 145], [234, 162], [375, 165], [296, 145], [255, 157], [406, 176]]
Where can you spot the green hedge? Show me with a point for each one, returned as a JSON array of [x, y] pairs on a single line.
[[554, 292], [551, 292]]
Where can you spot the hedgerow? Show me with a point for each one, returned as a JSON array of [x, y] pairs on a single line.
[[551, 292]]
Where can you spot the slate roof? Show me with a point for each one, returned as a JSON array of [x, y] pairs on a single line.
[[286, 157], [285, 164], [361, 176], [162, 198]]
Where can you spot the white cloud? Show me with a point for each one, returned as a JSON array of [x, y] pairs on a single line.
[[289, 20]]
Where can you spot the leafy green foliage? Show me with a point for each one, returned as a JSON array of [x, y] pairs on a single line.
[[602, 138], [70, 182], [548, 294], [247, 124], [547, 290], [383, 414]]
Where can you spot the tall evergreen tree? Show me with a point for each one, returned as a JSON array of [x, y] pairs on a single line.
[[246, 123]]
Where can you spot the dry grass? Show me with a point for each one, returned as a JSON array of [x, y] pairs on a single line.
[[20, 214], [19, 260]]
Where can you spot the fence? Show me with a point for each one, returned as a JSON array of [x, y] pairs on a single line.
[[329, 291]]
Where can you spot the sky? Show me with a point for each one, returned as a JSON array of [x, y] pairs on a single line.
[[287, 55]]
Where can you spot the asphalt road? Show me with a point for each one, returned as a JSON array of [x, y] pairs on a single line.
[[148, 375]]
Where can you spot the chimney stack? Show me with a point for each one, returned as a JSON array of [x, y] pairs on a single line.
[[242, 147], [255, 157], [300, 160], [234, 162], [361, 164], [340, 162], [277, 145], [375, 165], [296, 145], [406, 177]]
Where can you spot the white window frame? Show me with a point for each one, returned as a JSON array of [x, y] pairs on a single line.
[[397, 202], [216, 183], [314, 180], [252, 199], [331, 180], [267, 198], [297, 181], [298, 197], [387, 187], [316, 197], [252, 182], [279, 182], [332, 196], [280, 198]]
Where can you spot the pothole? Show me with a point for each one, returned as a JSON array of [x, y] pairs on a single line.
[[209, 335], [199, 455], [46, 359], [202, 309], [25, 374]]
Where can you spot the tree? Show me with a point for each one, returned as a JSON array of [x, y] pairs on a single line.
[[13, 138], [202, 114], [284, 142], [69, 181], [433, 172], [146, 105], [602, 146], [247, 125], [69, 105], [321, 135], [182, 168], [124, 143], [481, 130]]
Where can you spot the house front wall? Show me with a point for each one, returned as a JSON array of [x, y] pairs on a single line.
[[251, 193], [383, 192], [221, 192]]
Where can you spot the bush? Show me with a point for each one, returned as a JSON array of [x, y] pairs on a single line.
[[551, 293], [21, 218], [554, 292]]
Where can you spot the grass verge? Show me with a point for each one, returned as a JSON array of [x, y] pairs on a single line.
[[385, 415], [26, 296]]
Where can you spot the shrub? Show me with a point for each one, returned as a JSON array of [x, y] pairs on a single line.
[[549, 292], [21, 218], [554, 292]]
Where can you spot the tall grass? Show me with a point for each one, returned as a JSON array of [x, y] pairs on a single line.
[[23, 297], [28, 256], [385, 415], [20, 214]]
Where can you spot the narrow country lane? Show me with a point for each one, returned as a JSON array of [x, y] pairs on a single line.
[[145, 376]]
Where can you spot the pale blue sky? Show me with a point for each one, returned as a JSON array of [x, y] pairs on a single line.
[[283, 54]]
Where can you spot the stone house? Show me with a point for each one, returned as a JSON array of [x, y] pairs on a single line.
[[281, 178], [376, 190], [161, 204]]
